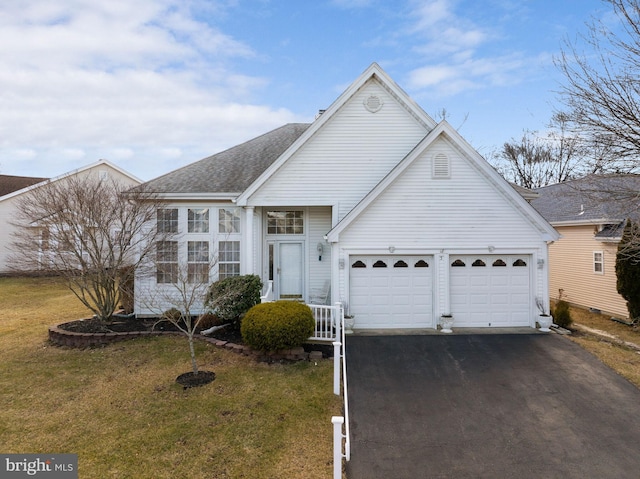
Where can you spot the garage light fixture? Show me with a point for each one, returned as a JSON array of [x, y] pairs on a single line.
[[392, 249]]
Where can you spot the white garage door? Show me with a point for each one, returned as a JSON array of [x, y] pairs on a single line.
[[391, 291], [490, 291]]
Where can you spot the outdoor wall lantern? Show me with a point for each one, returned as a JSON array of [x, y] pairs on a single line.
[[320, 249], [392, 249]]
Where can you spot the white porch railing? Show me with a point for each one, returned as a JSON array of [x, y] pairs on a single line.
[[341, 431], [328, 322]]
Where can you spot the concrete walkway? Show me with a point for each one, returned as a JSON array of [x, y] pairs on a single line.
[[488, 406]]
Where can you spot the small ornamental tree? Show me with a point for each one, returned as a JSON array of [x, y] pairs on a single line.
[[183, 292], [628, 268]]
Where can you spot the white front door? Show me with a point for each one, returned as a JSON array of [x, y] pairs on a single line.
[[289, 270]]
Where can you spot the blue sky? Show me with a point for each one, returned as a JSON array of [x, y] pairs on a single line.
[[153, 85]]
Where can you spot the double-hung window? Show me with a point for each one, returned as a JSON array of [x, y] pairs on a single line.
[[598, 262], [167, 220], [166, 262], [198, 262], [228, 259], [229, 244], [228, 221], [198, 220]]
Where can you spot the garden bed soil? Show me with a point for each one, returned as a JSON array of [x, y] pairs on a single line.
[[191, 380], [128, 325]]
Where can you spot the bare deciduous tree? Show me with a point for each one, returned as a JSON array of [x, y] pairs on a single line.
[[180, 297], [601, 92], [92, 231], [535, 161]]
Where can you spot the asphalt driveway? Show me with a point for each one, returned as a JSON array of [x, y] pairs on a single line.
[[488, 406]]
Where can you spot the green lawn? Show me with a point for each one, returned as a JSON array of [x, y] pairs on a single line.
[[120, 410]]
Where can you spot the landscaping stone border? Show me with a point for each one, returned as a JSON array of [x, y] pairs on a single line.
[[73, 339]]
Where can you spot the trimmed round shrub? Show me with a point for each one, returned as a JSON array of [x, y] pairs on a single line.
[[278, 325], [561, 314]]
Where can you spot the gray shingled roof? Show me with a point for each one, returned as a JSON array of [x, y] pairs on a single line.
[[594, 198], [9, 184], [233, 170]]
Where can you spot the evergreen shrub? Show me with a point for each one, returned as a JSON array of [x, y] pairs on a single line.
[[230, 298], [277, 325], [562, 315]]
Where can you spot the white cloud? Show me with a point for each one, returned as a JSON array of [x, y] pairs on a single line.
[[81, 80], [455, 51]]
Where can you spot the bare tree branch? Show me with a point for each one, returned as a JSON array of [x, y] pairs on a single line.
[[92, 231], [601, 93]]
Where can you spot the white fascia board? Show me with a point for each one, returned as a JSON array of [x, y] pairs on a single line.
[[587, 222], [613, 239], [374, 70]]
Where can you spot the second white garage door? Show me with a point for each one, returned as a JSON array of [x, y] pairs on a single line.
[[391, 291], [490, 291]]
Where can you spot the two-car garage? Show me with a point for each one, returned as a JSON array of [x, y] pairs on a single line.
[[390, 291]]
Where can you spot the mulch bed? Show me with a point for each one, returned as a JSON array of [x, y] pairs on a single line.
[[127, 325], [191, 380]]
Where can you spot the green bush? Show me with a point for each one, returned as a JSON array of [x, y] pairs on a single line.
[[561, 314], [230, 298], [278, 325]]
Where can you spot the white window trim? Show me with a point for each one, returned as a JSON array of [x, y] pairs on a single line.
[[600, 262]]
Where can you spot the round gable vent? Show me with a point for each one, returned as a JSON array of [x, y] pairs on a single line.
[[373, 103]]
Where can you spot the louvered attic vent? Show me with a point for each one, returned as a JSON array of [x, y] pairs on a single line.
[[441, 166]]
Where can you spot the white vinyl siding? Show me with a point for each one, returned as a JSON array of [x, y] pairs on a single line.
[[417, 211], [318, 223], [353, 151]]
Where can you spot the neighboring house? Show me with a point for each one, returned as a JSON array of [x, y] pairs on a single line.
[[12, 188], [590, 214], [397, 213]]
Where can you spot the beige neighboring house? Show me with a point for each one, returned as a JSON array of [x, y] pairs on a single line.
[[590, 214], [12, 188]]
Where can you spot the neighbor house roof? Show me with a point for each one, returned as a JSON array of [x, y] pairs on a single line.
[[9, 183], [595, 199], [231, 171]]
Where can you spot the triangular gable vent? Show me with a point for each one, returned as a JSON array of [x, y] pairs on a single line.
[[441, 166]]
